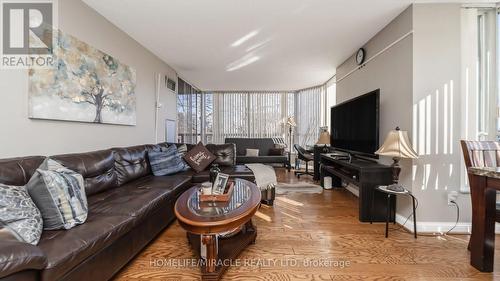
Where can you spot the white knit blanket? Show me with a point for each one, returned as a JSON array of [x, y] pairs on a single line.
[[264, 175]]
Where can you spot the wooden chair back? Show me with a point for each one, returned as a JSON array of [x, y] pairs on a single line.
[[481, 153]]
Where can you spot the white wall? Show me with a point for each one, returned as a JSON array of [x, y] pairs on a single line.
[[437, 114], [21, 136]]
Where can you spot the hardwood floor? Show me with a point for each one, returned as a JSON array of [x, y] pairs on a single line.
[[302, 230]]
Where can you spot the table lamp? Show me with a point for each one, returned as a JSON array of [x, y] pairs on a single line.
[[397, 145], [324, 137]]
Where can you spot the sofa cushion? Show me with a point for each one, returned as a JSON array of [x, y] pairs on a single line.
[[238, 171], [17, 258], [18, 171], [59, 193], [131, 162], [225, 153], [199, 157], [139, 198], [66, 249], [97, 169]]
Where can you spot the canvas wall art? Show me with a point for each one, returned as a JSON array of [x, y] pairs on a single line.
[[86, 85]]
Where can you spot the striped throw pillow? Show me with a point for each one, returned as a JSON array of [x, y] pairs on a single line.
[[59, 193], [182, 149], [166, 162]]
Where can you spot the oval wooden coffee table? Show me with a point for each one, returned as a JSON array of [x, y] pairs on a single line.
[[219, 231]]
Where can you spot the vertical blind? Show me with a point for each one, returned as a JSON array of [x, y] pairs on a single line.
[[212, 117], [251, 114], [309, 114], [189, 113]]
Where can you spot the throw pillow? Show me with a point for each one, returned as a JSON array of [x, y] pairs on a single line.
[[168, 161], [199, 158], [59, 193], [252, 152], [280, 145], [19, 215], [276, 151], [183, 149]]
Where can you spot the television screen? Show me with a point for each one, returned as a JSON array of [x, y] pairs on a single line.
[[355, 125]]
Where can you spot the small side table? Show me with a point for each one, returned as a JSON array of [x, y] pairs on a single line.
[[391, 193]]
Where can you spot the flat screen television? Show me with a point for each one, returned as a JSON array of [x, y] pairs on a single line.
[[355, 125]]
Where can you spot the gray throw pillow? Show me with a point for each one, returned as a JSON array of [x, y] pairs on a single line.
[[19, 215], [166, 162], [59, 193], [182, 149]]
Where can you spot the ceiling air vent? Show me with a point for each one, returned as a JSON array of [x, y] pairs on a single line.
[[170, 83]]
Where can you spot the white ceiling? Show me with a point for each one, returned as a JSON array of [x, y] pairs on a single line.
[[252, 44]]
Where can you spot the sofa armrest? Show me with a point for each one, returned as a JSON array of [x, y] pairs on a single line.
[[16, 256]]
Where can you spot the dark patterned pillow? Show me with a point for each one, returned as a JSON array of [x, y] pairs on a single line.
[[199, 158], [19, 215], [59, 194], [166, 162]]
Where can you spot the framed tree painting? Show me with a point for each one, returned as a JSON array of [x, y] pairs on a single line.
[[85, 85]]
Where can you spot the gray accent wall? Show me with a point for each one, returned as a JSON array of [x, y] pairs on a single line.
[[392, 73], [21, 136], [419, 80]]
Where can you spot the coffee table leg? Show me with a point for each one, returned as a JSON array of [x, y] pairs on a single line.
[[209, 242], [249, 227]]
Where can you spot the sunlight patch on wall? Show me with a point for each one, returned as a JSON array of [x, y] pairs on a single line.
[[434, 138]]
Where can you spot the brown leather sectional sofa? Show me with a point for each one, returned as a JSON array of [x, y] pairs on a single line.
[[128, 207]]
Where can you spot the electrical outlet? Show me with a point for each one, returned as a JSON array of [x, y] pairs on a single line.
[[452, 196]]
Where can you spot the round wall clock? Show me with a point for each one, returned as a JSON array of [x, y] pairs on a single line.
[[360, 56]]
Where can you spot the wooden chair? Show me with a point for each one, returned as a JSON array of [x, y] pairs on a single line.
[[481, 154]]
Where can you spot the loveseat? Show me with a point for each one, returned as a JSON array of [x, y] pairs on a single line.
[[267, 151], [128, 208]]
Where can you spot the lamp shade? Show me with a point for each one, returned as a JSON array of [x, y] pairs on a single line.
[[397, 144], [324, 138], [290, 121]]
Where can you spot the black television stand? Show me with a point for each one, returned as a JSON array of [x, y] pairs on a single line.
[[366, 175]]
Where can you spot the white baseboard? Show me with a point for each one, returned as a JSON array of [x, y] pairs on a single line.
[[438, 227]]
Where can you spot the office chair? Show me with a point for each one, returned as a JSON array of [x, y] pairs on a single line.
[[303, 155]]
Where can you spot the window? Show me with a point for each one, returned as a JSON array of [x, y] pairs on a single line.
[[331, 99], [309, 109], [189, 113], [479, 60], [211, 117], [251, 114]]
